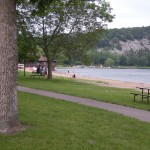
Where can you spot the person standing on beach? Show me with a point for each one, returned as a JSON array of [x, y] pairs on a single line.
[[73, 76]]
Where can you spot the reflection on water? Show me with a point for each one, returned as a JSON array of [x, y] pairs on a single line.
[[131, 75]]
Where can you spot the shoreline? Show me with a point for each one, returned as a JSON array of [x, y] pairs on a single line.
[[100, 81], [104, 82]]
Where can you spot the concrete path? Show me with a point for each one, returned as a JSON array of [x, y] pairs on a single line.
[[141, 115]]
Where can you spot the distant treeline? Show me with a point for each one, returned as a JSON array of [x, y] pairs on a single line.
[[123, 34], [129, 58], [106, 58]]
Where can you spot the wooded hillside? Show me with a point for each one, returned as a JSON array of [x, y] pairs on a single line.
[[125, 39], [123, 47], [119, 47]]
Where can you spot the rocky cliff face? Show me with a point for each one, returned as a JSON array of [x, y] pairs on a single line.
[[121, 47], [135, 45], [121, 40]]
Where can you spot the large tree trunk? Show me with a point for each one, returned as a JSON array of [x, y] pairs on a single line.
[[8, 67], [49, 77]]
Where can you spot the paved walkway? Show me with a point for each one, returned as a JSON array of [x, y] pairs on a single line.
[[127, 111]]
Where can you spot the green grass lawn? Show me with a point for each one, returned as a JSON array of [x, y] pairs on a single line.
[[60, 125], [77, 88]]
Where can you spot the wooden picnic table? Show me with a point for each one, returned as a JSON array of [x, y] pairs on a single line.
[[145, 93]]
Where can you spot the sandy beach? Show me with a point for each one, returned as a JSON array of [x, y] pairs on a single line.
[[100, 81], [105, 82]]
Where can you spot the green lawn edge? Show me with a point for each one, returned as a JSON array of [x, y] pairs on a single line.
[[87, 90], [60, 125]]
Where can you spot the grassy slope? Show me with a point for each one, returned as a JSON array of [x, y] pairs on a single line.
[[60, 125], [73, 87]]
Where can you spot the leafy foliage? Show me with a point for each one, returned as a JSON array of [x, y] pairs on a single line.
[[27, 47], [66, 27]]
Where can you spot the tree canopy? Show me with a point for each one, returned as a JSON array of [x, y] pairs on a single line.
[[65, 26]]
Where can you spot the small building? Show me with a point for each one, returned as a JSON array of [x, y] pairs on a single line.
[[43, 62]]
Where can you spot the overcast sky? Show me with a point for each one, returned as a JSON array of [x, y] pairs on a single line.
[[130, 13]]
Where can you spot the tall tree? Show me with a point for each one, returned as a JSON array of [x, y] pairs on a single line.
[[65, 17], [8, 64], [9, 120]]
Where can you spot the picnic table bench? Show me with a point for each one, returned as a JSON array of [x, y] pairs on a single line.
[[35, 74], [142, 94]]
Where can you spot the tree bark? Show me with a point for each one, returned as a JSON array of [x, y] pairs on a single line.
[[49, 77], [8, 67]]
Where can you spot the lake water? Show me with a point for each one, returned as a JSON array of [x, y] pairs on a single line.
[[130, 75]]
